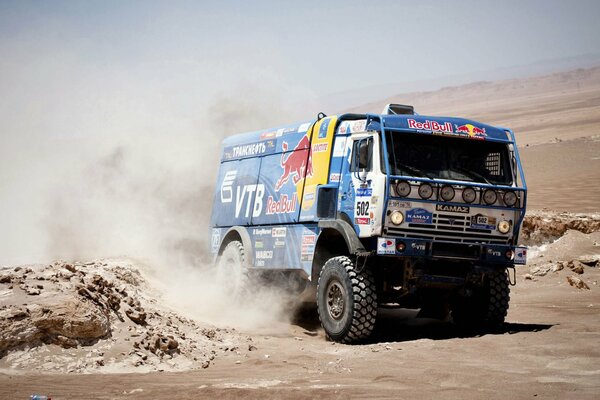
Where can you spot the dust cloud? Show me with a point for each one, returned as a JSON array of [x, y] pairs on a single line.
[[99, 166]]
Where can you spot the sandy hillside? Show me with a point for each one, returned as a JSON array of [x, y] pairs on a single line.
[[556, 119], [147, 342]]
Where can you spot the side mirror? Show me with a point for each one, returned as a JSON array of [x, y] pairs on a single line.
[[362, 159]]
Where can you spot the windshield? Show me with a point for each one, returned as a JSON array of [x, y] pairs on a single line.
[[439, 157]]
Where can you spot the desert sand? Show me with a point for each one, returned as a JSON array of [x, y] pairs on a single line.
[[547, 349]]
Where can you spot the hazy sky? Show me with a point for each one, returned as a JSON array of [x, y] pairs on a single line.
[[319, 46], [111, 112]]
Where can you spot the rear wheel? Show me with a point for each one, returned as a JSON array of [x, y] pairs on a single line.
[[231, 268], [487, 306], [346, 300]]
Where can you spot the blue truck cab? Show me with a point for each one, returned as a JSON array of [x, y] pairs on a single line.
[[370, 210]]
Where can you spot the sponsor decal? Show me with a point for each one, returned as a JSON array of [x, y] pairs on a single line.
[[449, 208], [374, 200], [215, 240], [494, 253], [362, 221], [283, 205], [319, 147], [480, 221], [261, 231], [279, 232], [430, 126], [245, 194], [334, 177], [419, 216], [279, 243], [309, 196], [471, 131], [263, 254], [226, 186], [309, 239], [359, 126], [268, 135], [399, 204], [343, 128], [416, 246], [280, 132], [296, 164], [308, 245], [248, 150], [258, 244], [520, 255], [386, 246], [364, 192], [323, 129]]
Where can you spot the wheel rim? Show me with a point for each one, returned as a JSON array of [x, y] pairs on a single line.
[[335, 300]]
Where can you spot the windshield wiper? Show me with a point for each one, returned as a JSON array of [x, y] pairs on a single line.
[[472, 174], [413, 170]]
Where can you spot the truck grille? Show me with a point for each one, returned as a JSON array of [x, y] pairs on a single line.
[[453, 228]]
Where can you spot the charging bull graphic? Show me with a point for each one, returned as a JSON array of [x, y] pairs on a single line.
[[471, 130], [296, 163]]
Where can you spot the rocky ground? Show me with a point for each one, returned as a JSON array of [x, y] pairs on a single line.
[[109, 316], [99, 316]]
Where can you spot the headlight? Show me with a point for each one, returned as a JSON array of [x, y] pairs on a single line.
[[425, 191], [510, 198], [504, 226], [402, 188], [490, 197], [447, 192], [469, 195], [396, 217]]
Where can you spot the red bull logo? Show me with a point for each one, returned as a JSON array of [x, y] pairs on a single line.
[[471, 130], [295, 165], [432, 126]]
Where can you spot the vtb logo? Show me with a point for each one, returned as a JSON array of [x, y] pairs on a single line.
[[296, 165]]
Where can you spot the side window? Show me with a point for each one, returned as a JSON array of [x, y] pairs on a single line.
[[362, 155]]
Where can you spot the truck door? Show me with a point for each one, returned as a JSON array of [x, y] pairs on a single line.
[[362, 186]]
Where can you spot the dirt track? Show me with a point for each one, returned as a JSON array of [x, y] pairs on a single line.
[[548, 349]]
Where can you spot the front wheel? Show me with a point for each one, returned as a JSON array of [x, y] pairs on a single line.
[[346, 301], [487, 307]]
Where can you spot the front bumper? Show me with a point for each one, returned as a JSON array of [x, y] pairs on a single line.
[[487, 253]]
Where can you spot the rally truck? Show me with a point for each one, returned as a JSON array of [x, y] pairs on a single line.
[[377, 210]]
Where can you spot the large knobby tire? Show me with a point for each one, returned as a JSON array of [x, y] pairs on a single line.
[[346, 301], [487, 307], [232, 272]]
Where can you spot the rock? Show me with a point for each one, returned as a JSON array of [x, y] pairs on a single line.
[[528, 277], [541, 270], [5, 278], [558, 267], [70, 267], [589, 260], [205, 364], [137, 316], [64, 342], [577, 282], [576, 266]]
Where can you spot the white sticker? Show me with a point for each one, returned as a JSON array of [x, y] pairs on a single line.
[[303, 127], [339, 146], [386, 246], [280, 232], [521, 255]]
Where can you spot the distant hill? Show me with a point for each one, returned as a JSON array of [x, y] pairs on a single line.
[[563, 105]]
